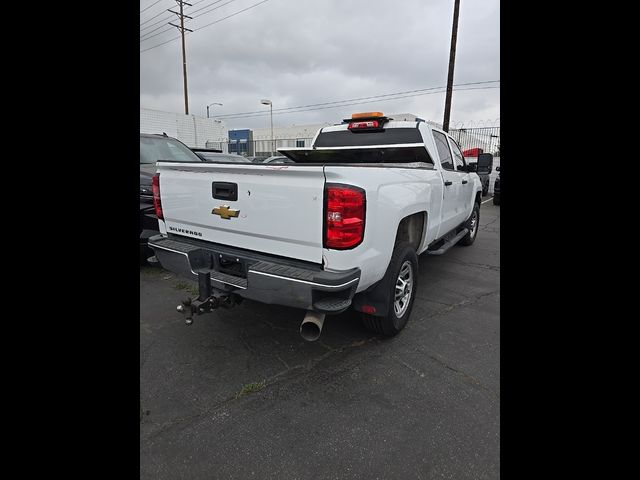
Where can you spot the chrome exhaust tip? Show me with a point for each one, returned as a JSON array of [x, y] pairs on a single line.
[[311, 326]]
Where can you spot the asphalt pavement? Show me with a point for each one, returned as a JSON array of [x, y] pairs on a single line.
[[424, 404]]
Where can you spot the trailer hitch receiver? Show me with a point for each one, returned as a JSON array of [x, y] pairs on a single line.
[[207, 300]]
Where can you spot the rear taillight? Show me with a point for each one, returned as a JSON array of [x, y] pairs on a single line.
[[344, 210], [157, 203]]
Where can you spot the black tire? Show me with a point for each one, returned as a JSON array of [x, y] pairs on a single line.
[[391, 324], [472, 225], [496, 199]]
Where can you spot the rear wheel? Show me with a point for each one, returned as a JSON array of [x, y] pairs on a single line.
[[402, 278], [472, 225]]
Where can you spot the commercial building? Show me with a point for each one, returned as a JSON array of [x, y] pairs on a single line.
[[192, 130]]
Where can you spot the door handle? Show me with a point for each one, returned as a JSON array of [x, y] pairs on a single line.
[[225, 191], [464, 181], [446, 184]]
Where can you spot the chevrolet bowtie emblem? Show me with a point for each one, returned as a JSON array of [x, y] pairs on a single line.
[[225, 212]]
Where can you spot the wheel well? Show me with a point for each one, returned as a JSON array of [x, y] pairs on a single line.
[[411, 229], [478, 197]]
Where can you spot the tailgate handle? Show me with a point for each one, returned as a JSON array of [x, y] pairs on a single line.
[[225, 191]]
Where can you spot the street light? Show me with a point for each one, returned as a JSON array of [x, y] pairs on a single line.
[[264, 101], [210, 105]]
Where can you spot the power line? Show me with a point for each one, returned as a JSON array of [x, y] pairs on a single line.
[[442, 90], [196, 16], [164, 19], [155, 16], [207, 25], [154, 3], [156, 23], [359, 98], [155, 34], [164, 11], [160, 44], [196, 3], [206, 6], [232, 15], [191, 12]]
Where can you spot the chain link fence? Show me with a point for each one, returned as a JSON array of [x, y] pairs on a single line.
[[486, 138]]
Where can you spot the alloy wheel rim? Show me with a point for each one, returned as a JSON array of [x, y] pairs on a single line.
[[403, 289], [474, 223]]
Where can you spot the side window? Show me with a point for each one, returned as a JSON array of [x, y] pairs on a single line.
[[457, 156], [443, 150]]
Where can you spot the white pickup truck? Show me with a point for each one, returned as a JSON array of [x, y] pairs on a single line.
[[341, 227]]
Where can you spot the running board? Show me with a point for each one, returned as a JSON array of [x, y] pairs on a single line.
[[449, 243]]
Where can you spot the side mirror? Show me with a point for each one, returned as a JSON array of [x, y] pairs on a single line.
[[485, 162], [472, 167]]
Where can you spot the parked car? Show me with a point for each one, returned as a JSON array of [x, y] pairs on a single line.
[[341, 227], [278, 159], [217, 157], [496, 189], [153, 148]]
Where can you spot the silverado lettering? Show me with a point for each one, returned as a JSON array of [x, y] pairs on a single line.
[[182, 230]]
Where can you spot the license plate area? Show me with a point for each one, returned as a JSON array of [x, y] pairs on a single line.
[[231, 265]]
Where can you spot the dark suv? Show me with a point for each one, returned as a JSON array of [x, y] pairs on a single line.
[[152, 149]]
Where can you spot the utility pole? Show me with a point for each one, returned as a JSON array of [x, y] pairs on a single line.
[[452, 61], [180, 27]]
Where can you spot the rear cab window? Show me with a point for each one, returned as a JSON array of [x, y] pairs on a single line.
[[391, 144], [386, 136]]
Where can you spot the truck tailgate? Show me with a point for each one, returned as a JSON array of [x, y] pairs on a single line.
[[278, 209]]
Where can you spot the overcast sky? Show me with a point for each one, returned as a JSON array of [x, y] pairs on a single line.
[[302, 52]]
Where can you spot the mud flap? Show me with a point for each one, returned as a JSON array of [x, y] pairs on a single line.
[[376, 296]]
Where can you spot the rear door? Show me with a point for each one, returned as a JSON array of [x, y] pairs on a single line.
[[466, 199], [452, 185], [275, 209]]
